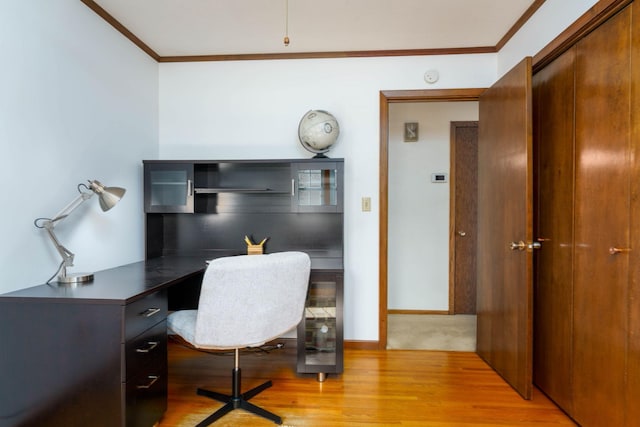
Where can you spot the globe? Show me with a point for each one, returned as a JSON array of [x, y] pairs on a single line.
[[318, 131]]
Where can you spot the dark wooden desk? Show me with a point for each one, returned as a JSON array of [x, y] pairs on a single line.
[[93, 354], [96, 354]]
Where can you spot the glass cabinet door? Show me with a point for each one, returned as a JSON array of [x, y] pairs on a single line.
[[317, 187], [168, 187], [320, 347]]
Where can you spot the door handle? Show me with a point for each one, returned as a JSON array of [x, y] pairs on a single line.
[[615, 251], [462, 233], [521, 246]]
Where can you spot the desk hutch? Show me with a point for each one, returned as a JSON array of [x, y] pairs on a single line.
[[203, 206]]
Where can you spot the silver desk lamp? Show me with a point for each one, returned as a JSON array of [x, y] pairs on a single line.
[[109, 197]]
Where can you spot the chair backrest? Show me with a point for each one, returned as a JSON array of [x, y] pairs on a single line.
[[248, 300]]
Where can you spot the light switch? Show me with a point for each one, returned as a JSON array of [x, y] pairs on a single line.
[[439, 177], [366, 204]]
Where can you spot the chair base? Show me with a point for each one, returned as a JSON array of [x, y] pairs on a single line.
[[237, 400]]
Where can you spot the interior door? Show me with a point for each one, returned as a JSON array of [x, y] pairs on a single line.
[[464, 152], [505, 228]]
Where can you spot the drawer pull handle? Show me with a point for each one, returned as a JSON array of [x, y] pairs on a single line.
[[153, 379], [151, 345], [150, 312]]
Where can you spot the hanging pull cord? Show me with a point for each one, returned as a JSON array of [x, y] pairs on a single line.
[[286, 22]]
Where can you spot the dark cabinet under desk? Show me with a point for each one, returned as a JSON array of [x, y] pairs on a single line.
[[91, 355], [319, 334]]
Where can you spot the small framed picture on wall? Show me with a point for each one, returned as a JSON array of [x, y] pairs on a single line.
[[410, 132]]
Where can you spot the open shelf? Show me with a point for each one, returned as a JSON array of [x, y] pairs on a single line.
[[238, 190]]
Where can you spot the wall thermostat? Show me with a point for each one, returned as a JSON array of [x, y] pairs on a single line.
[[439, 177]]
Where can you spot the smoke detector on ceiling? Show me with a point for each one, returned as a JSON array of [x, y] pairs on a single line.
[[431, 76]]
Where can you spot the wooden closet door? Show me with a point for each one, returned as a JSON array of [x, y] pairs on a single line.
[[602, 210], [633, 347], [553, 94]]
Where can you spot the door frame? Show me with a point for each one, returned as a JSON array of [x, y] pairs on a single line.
[[386, 98]]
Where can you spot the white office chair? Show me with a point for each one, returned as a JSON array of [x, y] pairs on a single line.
[[245, 301]]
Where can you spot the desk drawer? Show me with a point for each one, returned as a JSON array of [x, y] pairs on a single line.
[[146, 399], [144, 313], [148, 349]]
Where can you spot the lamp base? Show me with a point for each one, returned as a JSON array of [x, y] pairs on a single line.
[[75, 278]]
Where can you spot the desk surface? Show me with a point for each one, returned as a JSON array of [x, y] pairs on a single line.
[[127, 283], [120, 285]]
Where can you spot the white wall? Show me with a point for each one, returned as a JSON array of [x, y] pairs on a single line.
[[553, 17], [72, 87], [77, 101], [418, 234], [251, 109]]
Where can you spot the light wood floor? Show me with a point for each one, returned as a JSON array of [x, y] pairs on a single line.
[[378, 388]]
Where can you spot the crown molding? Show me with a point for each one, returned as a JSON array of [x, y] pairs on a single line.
[[311, 55]]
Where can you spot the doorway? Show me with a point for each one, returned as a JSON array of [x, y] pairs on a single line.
[[386, 98]]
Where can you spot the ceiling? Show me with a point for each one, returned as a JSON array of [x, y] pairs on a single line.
[[183, 28]]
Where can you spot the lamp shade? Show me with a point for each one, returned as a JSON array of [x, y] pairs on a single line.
[[109, 196]]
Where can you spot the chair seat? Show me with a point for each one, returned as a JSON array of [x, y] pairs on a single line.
[[183, 323]]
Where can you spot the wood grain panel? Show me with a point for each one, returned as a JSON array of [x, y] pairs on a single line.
[[591, 19], [464, 226], [553, 94], [602, 222], [505, 204], [633, 348]]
